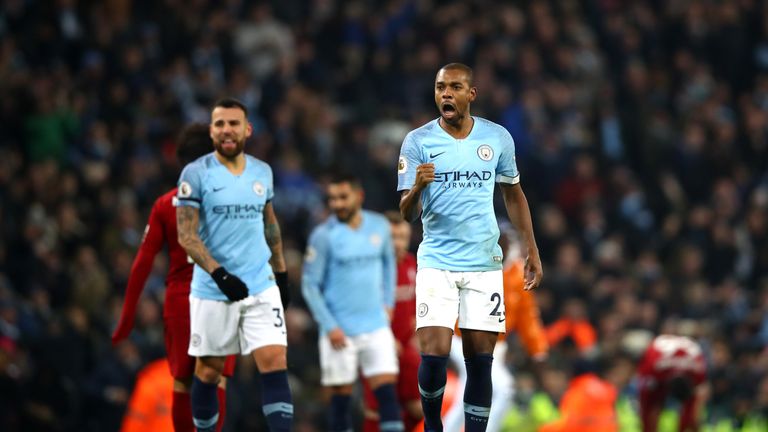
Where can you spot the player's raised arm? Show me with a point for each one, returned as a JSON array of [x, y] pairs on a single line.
[[520, 215], [410, 200], [413, 177]]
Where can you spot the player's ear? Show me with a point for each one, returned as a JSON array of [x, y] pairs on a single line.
[[248, 129], [472, 93]]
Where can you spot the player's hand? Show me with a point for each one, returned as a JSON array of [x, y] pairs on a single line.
[[122, 330], [425, 174], [230, 285], [338, 338], [533, 271], [281, 279]]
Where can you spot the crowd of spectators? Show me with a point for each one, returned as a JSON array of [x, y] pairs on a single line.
[[641, 130]]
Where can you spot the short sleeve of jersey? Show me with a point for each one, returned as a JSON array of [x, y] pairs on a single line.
[[410, 158], [190, 185], [315, 257], [506, 170], [271, 187]]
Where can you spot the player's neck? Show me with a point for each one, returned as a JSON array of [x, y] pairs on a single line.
[[459, 130], [235, 165], [356, 220]]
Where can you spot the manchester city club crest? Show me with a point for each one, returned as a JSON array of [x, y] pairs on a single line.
[[485, 152], [258, 188], [423, 309]]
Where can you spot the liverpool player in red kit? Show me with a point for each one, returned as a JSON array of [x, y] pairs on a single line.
[[671, 366], [403, 325], [194, 142]]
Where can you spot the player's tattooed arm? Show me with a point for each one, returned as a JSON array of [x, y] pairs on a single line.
[[187, 220], [274, 239]]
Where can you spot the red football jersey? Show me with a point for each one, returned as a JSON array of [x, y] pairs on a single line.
[[669, 356], [404, 314]]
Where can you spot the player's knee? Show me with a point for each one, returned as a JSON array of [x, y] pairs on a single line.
[[207, 374], [377, 381], [435, 341], [270, 359]]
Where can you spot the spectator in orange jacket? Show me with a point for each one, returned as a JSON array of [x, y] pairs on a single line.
[[150, 406], [588, 405], [574, 325], [522, 316]]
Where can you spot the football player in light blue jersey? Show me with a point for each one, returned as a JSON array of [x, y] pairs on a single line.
[[349, 284], [447, 172], [227, 225]]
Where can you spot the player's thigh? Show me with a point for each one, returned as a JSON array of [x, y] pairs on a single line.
[[481, 302], [437, 299], [262, 329], [337, 366], [214, 327], [176, 334], [378, 357]]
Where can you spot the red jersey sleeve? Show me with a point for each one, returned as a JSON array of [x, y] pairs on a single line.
[[151, 244]]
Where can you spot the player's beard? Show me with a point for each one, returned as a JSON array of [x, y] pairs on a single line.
[[345, 215], [227, 150]]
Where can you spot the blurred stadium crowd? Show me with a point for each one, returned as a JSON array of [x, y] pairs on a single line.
[[641, 130]]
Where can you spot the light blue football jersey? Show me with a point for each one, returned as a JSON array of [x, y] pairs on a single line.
[[349, 274], [460, 228], [231, 221]]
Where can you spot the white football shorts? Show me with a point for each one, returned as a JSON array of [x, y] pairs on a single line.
[[475, 298], [374, 353], [220, 328]]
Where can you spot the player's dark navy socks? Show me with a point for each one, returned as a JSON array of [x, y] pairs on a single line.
[[389, 409], [276, 401], [338, 417], [205, 406], [478, 392], [432, 377]]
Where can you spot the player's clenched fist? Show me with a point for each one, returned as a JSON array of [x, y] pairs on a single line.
[[425, 174]]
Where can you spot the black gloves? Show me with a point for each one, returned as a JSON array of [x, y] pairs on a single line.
[[229, 284], [235, 289], [281, 279]]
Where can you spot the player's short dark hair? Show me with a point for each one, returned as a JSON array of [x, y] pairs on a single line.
[[193, 142], [344, 177], [230, 102], [394, 217], [464, 68], [680, 388]]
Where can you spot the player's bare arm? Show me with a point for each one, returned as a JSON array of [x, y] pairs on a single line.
[[520, 215], [187, 219], [410, 200], [274, 239]]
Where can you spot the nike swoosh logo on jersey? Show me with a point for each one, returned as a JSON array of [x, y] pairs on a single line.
[[434, 155], [218, 189], [501, 320]]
